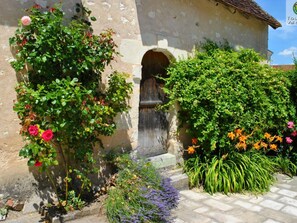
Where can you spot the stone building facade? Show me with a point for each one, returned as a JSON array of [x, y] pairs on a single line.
[[149, 34]]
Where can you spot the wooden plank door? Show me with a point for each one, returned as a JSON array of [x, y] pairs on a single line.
[[153, 123]]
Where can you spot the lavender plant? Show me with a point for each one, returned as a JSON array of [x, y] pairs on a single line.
[[140, 195]]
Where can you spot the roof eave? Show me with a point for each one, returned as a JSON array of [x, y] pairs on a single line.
[[271, 21]]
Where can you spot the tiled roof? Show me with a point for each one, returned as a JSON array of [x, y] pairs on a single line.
[[252, 8], [285, 67]]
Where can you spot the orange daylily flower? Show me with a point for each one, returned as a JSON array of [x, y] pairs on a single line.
[[279, 139], [241, 145], [242, 138], [257, 146], [238, 132], [264, 145], [273, 147], [191, 150], [267, 135], [231, 135]]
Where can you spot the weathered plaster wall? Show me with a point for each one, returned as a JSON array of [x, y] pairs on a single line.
[[185, 23]]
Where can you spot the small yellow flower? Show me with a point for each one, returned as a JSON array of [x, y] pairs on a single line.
[[273, 147], [63, 203], [241, 145], [264, 145], [238, 132], [27, 122], [191, 150], [279, 139], [242, 138], [267, 135], [257, 146], [231, 135]]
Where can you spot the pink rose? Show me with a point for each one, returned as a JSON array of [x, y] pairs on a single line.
[[290, 125], [33, 130], [289, 140], [294, 133], [47, 135], [26, 20]]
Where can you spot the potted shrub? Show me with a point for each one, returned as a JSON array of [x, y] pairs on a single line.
[[3, 213]]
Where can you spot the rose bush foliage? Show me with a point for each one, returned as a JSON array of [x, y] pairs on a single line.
[[60, 99]]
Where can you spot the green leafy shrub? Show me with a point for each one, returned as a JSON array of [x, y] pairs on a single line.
[[292, 75], [223, 95], [220, 90], [140, 194], [60, 102]]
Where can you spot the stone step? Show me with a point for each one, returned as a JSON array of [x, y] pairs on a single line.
[[172, 172], [178, 178], [180, 181], [163, 162], [166, 165]]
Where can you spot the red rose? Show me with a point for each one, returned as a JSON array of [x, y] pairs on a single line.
[[28, 107], [23, 43], [33, 130], [47, 135], [37, 163]]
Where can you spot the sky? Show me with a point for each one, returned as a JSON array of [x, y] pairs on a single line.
[[281, 41]]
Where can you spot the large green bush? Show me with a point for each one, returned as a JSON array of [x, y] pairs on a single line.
[[220, 90], [292, 75], [232, 105]]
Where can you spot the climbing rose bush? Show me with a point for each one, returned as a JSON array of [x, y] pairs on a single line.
[[60, 98]]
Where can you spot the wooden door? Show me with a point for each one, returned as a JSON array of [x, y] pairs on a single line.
[[153, 123]]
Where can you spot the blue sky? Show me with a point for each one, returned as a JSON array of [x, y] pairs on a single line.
[[282, 41]]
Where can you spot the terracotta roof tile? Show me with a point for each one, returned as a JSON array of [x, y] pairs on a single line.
[[285, 67], [252, 8]]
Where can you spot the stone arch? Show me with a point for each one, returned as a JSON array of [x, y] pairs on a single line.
[[166, 134]]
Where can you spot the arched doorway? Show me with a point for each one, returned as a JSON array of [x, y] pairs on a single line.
[[153, 123]]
